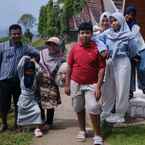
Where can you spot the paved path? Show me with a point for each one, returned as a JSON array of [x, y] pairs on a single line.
[[65, 127]]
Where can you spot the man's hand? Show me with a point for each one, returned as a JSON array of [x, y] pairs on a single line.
[[67, 90], [98, 93]]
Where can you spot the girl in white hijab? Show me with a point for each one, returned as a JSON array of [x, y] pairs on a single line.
[[103, 25], [104, 22], [119, 40]]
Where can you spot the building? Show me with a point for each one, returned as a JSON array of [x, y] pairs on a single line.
[[93, 9]]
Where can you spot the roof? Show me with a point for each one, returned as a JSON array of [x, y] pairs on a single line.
[[91, 12]]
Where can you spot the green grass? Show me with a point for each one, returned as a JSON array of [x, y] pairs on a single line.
[[13, 138], [3, 39], [38, 43], [134, 135]]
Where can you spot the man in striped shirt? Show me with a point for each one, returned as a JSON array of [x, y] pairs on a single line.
[[10, 54]]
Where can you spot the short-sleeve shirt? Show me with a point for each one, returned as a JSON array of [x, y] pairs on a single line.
[[85, 63]]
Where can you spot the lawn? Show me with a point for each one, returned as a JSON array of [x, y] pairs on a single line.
[[13, 138], [134, 135], [38, 43], [2, 39]]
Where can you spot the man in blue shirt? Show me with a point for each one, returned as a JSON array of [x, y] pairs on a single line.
[[10, 54]]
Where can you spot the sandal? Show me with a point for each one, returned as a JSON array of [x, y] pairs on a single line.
[[38, 133], [81, 137], [98, 140]]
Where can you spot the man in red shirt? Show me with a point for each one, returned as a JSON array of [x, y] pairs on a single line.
[[84, 79]]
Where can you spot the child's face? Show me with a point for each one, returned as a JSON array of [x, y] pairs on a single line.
[[115, 24], [29, 72], [85, 36]]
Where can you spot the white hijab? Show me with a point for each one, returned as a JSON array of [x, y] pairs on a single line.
[[105, 14]]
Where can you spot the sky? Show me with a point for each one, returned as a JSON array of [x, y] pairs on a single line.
[[11, 10]]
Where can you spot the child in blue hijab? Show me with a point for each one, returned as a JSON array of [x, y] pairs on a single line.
[[29, 112]]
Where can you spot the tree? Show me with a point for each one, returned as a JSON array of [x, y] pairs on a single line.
[[54, 17], [27, 21], [42, 25]]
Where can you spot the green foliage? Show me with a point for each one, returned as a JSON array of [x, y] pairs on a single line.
[[3, 39], [42, 21], [54, 20], [52, 25], [78, 5]]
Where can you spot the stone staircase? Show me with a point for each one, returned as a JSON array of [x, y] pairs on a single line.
[[137, 105]]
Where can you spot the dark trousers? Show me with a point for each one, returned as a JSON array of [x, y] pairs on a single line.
[[50, 116], [8, 88]]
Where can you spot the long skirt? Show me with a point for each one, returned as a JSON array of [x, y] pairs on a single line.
[[28, 111]]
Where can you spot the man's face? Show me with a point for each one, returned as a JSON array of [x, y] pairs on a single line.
[[130, 17], [85, 36], [16, 35]]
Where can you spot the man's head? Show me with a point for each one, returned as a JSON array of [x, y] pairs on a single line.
[[15, 33], [85, 32], [130, 13]]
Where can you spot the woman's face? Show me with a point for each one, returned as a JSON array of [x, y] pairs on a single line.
[[115, 24], [105, 24], [53, 48]]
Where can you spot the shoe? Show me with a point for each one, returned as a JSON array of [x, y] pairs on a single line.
[[38, 133], [143, 91], [131, 95], [115, 118], [81, 137], [98, 140], [3, 127]]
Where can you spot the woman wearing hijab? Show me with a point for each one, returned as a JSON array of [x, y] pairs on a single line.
[[137, 63], [50, 60], [28, 109], [119, 40], [104, 24]]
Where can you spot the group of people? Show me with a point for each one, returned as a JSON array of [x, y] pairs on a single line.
[[99, 75], [26, 74]]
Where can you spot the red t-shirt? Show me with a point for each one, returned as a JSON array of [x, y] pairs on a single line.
[[85, 63]]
